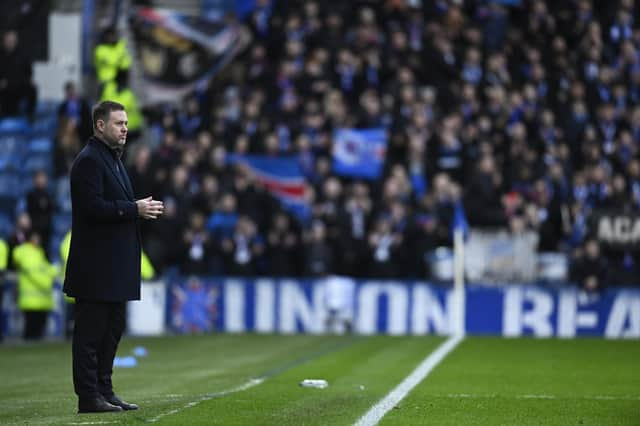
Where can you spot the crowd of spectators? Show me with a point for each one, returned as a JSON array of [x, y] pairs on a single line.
[[527, 114]]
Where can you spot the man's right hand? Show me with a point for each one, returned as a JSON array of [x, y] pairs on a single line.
[[148, 208]]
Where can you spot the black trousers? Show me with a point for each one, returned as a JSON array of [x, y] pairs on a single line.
[[97, 331], [69, 319], [34, 324]]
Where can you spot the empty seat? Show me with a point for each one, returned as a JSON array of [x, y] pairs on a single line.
[[8, 205], [5, 162], [37, 161], [45, 125], [12, 143], [14, 125], [10, 185], [63, 194], [6, 224], [12, 149], [46, 108], [61, 223], [43, 145]]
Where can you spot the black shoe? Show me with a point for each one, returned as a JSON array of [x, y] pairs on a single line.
[[96, 405], [115, 400]]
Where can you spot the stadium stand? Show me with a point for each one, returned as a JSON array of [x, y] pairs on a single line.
[[488, 114]]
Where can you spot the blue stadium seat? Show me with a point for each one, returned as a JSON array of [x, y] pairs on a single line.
[[12, 148], [37, 161], [14, 125], [8, 205], [45, 126], [10, 185], [54, 247], [41, 145], [7, 215], [5, 162], [6, 224], [12, 143], [63, 194], [46, 108], [61, 223], [21, 202]]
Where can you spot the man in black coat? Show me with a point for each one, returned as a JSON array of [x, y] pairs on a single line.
[[16, 87], [103, 270]]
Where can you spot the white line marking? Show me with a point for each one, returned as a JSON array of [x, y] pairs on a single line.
[[247, 385], [91, 423], [541, 396], [535, 397], [375, 413], [162, 398]]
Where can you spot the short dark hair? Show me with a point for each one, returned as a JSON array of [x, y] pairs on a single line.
[[102, 111]]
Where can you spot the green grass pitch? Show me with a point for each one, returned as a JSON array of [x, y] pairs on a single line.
[[187, 380]]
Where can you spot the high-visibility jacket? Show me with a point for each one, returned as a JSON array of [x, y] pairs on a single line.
[[147, 271], [111, 58], [35, 278], [64, 256], [4, 255], [146, 268], [125, 96]]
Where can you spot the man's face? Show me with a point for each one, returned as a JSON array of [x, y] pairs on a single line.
[[10, 41], [70, 91], [114, 131]]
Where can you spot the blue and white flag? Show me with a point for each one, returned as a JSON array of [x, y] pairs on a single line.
[[218, 9], [359, 152]]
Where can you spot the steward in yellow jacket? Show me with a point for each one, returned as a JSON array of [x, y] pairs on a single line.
[[4, 255], [119, 91], [36, 277], [111, 56], [4, 260]]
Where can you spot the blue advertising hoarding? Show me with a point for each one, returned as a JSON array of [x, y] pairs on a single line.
[[265, 305], [399, 308]]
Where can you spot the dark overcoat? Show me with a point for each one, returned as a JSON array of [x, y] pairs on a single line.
[[104, 257]]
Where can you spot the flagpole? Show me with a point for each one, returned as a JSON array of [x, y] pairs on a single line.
[[459, 302]]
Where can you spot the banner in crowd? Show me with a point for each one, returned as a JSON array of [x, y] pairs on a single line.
[[501, 257], [398, 308], [218, 9], [178, 52], [359, 152], [616, 230], [281, 176]]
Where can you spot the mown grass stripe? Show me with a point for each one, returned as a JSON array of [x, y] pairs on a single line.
[[377, 412], [256, 381]]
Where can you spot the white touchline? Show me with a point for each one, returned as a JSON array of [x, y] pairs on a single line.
[[375, 413], [247, 385]]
